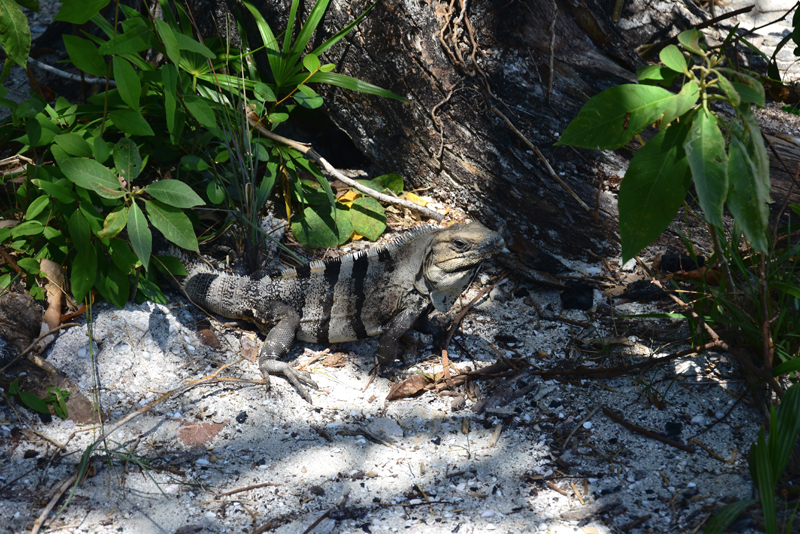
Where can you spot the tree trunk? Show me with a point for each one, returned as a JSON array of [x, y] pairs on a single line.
[[477, 79]]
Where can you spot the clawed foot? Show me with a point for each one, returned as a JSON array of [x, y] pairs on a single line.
[[297, 378]]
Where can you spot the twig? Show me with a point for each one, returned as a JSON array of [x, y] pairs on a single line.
[[67, 75], [307, 151], [248, 488], [50, 505], [577, 426], [35, 341], [643, 431], [465, 310], [318, 521]]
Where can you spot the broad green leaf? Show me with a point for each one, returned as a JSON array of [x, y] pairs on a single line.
[[317, 229], [132, 41], [171, 48], [27, 228], [122, 255], [215, 192], [391, 181], [200, 110], [611, 119], [749, 210], [173, 223], [36, 207], [34, 133], [748, 94], [89, 174], [58, 154], [672, 57], [327, 67], [85, 55], [29, 265], [79, 231], [127, 159], [652, 191], [730, 91], [139, 234], [114, 285], [169, 76], [705, 151], [56, 191], [194, 163], [174, 193], [15, 35], [80, 11], [114, 223], [14, 388], [308, 102], [33, 402], [683, 102], [187, 43], [353, 84], [725, 517], [311, 62], [74, 145], [131, 122], [171, 265], [368, 217], [130, 89], [756, 149], [661, 75], [264, 93], [690, 39], [101, 149], [84, 273], [33, 5]]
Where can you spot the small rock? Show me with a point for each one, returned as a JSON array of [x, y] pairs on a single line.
[[316, 490]]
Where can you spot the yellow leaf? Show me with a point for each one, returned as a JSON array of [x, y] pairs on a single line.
[[349, 196], [356, 236], [416, 199]]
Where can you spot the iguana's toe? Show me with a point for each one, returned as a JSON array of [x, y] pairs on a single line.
[[295, 377]]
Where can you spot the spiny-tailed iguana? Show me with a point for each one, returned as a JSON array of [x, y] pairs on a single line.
[[384, 290]]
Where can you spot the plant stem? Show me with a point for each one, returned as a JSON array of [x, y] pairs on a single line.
[[726, 269]]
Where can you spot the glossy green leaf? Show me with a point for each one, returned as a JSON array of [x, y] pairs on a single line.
[[115, 222], [215, 192], [74, 145], [308, 102], [652, 191], [27, 228], [128, 85], [264, 93], [756, 149], [187, 43], [114, 285], [311, 62], [36, 207], [56, 191], [174, 193], [100, 149], [33, 402], [85, 55], [729, 90], [748, 208], [705, 151], [690, 39], [683, 102], [134, 40], [171, 47], [122, 255], [194, 163], [127, 159], [80, 11], [79, 231], [672, 57], [661, 75], [29, 265], [84, 273], [89, 174], [368, 217], [725, 517], [139, 234], [33, 129], [173, 223], [171, 265], [347, 82], [343, 32], [33, 5], [200, 110], [391, 181], [611, 119], [749, 88], [131, 122], [318, 229], [169, 76], [15, 35]]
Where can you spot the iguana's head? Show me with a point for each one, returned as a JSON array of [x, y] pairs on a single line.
[[453, 257]]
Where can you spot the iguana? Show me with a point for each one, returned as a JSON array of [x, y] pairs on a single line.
[[384, 290]]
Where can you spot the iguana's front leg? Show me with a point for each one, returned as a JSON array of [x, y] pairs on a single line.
[[388, 348], [276, 345]]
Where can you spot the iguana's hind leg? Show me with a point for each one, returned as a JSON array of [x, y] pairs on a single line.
[[275, 347]]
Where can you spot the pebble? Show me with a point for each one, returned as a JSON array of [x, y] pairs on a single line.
[[698, 419], [171, 329], [487, 513], [211, 515], [413, 502], [190, 348], [82, 352], [146, 356], [587, 425], [202, 461]]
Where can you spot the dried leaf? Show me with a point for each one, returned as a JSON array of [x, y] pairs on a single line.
[[337, 359], [191, 433], [249, 348], [55, 297], [416, 199], [408, 387], [207, 335]]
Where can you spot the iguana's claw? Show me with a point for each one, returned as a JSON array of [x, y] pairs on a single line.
[[296, 378]]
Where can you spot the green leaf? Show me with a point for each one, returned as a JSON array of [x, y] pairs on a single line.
[[85, 55], [327, 67], [171, 265], [308, 102], [264, 92], [114, 223], [74, 145], [311, 23], [14, 388], [200, 110], [30, 265], [663, 76], [683, 102], [319, 230], [171, 48], [729, 90], [311, 62], [215, 192], [187, 43], [139, 234], [27, 228], [725, 517], [690, 39], [89, 174], [368, 217], [748, 94], [114, 285], [15, 35], [127, 159], [84, 272], [705, 151], [169, 76], [80, 11], [56, 191], [131, 122], [33, 402], [671, 57], [132, 41], [348, 82], [173, 223], [652, 191], [194, 163], [174, 193], [100, 149], [33, 5], [391, 181], [122, 255], [748, 208], [130, 89], [79, 231], [36, 207], [756, 149], [34, 131], [611, 119]]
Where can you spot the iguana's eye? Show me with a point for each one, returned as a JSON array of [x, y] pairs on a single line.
[[460, 244]]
